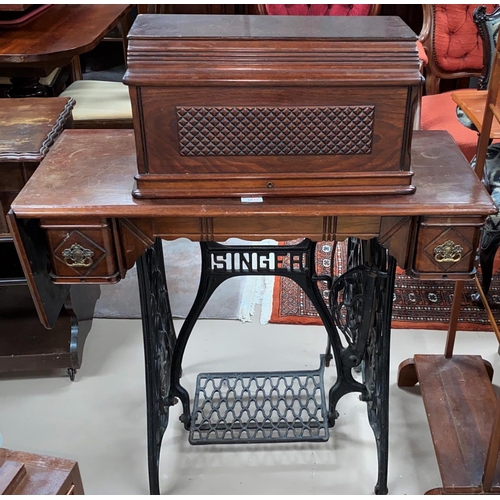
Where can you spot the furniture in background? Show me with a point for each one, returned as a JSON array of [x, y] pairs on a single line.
[[28, 128], [102, 104], [481, 108], [29, 474], [53, 40], [217, 9], [318, 9], [453, 45], [461, 405]]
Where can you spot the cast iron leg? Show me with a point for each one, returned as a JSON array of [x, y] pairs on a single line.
[[360, 308], [361, 303], [159, 342], [376, 368], [208, 284]]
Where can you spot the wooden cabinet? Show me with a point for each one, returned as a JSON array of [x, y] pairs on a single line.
[[272, 105], [82, 249], [29, 128], [445, 246]]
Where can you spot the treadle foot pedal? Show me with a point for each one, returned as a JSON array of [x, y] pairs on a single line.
[[260, 407]]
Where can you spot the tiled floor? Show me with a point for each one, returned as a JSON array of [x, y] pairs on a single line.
[[100, 420]]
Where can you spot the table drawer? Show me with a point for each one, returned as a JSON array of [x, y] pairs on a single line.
[[82, 251], [445, 248]]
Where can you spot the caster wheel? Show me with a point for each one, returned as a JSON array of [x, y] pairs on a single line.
[[71, 374]]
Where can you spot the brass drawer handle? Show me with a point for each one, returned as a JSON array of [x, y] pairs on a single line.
[[448, 252], [77, 256]]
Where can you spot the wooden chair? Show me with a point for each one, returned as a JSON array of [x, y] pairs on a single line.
[[461, 405], [102, 104], [454, 49], [479, 107], [462, 408], [319, 9]]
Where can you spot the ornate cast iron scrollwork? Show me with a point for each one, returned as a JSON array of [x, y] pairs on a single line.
[[359, 313], [448, 251], [77, 256], [159, 343], [264, 131], [361, 303], [221, 262]]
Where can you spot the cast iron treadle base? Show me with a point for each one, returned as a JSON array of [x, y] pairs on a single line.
[[260, 407]]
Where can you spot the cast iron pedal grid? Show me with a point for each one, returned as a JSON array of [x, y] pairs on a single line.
[[260, 407]]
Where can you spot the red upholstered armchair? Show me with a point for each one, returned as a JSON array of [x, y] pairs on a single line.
[[454, 50], [319, 9]]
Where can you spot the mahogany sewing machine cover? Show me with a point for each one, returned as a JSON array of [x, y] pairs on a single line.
[[272, 105]]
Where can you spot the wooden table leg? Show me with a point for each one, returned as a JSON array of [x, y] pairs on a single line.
[[27, 87], [455, 312]]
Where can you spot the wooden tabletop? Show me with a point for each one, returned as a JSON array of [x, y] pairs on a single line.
[[473, 103], [28, 127], [55, 37], [91, 171]]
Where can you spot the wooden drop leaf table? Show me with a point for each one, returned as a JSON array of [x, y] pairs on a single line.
[[76, 221], [28, 129]]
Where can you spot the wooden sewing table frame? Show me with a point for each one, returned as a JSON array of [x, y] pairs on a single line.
[[77, 222]]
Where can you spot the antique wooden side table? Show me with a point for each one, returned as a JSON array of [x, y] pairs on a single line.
[[28, 128], [95, 230], [52, 40]]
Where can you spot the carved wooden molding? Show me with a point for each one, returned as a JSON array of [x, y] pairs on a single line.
[[272, 130], [167, 52], [55, 132], [329, 228]]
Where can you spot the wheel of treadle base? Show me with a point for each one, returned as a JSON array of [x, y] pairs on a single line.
[[71, 374]]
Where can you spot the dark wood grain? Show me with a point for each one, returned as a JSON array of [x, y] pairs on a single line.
[[44, 475], [279, 96], [17, 7], [460, 404], [11, 474], [54, 38], [444, 201], [71, 167], [385, 28], [28, 127]]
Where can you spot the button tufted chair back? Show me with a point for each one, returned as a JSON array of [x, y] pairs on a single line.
[[319, 9], [438, 110], [452, 43]]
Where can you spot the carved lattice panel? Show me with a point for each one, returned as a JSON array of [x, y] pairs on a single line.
[[269, 131]]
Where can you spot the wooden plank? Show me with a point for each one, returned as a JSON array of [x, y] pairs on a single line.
[[473, 103], [44, 475], [11, 474], [460, 403]]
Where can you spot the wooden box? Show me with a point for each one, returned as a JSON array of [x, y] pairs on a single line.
[[272, 105], [29, 474]]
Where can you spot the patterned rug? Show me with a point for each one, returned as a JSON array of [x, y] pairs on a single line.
[[418, 304]]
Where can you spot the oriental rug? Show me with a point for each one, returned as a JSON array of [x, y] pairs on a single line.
[[418, 304]]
